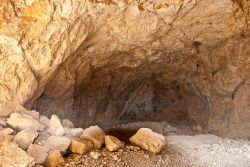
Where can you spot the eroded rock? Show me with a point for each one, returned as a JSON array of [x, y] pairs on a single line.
[[74, 132], [57, 143], [45, 121], [148, 140], [54, 159]]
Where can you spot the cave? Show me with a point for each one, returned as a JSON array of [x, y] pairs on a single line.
[[111, 62]]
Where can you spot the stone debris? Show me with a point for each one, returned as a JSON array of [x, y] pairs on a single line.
[[54, 159], [73, 133], [57, 143], [13, 156], [24, 122], [112, 143], [45, 121], [24, 138], [40, 153], [80, 146], [94, 154], [147, 139], [56, 127], [94, 134], [67, 123]]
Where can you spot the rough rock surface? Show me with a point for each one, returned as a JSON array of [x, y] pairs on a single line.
[[147, 139], [12, 155], [57, 143], [54, 159], [95, 135], [24, 138], [24, 122], [38, 152], [112, 143], [74, 132], [105, 61], [56, 127], [80, 146]]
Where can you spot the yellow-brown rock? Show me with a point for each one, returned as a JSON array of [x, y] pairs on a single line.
[[112, 143], [54, 159], [80, 146]]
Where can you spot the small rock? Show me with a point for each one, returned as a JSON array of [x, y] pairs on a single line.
[[24, 122], [133, 148], [67, 123], [94, 155], [54, 159], [73, 133], [147, 139], [5, 135], [115, 157], [44, 120], [95, 135], [57, 143], [80, 146], [40, 153], [56, 127], [25, 138], [6, 131], [12, 155], [112, 143]]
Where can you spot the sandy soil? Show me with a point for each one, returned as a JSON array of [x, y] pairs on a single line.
[[200, 150]]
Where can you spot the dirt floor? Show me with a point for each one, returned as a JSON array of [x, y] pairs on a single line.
[[193, 150]]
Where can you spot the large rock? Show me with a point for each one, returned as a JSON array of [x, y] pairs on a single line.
[[24, 122], [74, 132], [31, 113], [38, 152], [148, 140], [24, 138], [80, 146], [54, 159], [5, 135], [112, 143], [95, 135], [42, 137], [3, 121], [56, 127], [57, 143], [13, 156]]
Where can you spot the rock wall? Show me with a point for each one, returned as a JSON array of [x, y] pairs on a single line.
[[109, 61]]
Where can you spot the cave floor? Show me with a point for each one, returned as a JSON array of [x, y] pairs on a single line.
[[185, 148]]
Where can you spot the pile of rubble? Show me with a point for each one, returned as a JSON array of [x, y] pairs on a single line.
[[28, 139]]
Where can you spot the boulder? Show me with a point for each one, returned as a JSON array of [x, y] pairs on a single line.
[[38, 152], [148, 140], [56, 127], [24, 122], [95, 135], [24, 138], [73, 133], [54, 159], [57, 143], [80, 146], [45, 121], [112, 143], [12, 155], [67, 123]]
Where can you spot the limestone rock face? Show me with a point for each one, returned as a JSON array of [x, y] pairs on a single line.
[[148, 140], [106, 61], [12, 155]]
